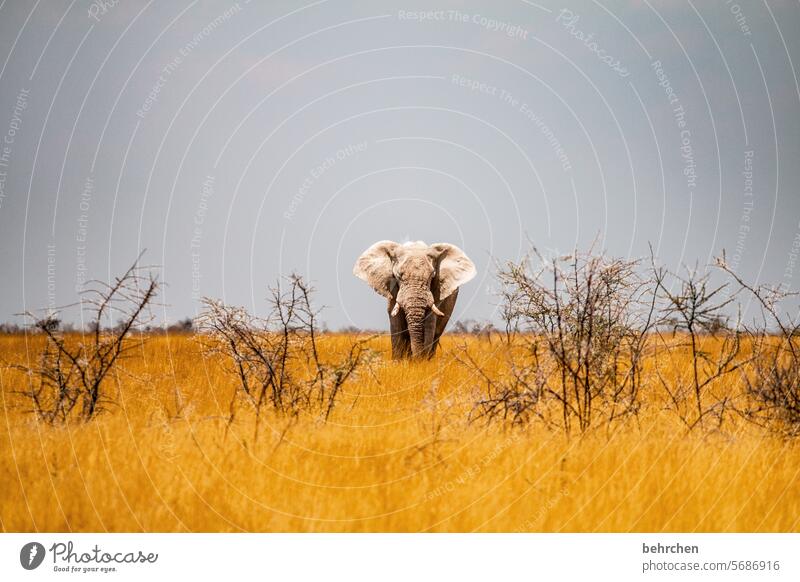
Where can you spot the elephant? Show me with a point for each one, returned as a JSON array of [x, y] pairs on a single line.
[[421, 285]]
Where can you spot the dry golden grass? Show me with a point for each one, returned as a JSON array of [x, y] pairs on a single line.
[[397, 455]]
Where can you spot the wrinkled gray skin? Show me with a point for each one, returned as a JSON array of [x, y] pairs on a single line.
[[421, 285]]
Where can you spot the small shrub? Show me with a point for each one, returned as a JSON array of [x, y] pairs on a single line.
[[276, 360], [583, 322], [698, 308], [69, 378], [773, 382]]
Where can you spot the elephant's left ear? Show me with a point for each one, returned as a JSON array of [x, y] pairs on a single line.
[[455, 268]]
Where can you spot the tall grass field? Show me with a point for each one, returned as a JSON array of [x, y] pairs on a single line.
[[401, 451]]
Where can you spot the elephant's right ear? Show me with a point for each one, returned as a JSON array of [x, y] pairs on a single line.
[[375, 267]]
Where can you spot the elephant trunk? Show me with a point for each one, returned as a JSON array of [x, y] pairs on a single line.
[[416, 302], [415, 318]]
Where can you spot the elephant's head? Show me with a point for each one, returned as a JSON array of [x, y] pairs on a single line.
[[416, 277]]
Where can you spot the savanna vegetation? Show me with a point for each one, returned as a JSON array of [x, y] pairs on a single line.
[[618, 397]]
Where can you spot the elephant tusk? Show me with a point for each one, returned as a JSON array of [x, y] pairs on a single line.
[[396, 309], [436, 310]]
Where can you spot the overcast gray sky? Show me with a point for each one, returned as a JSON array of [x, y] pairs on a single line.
[[237, 142]]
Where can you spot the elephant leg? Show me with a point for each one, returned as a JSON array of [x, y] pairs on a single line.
[[447, 306], [401, 340]]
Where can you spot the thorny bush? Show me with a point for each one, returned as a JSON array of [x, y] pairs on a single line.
[[276, 360], [69, 378], [582, 330]]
